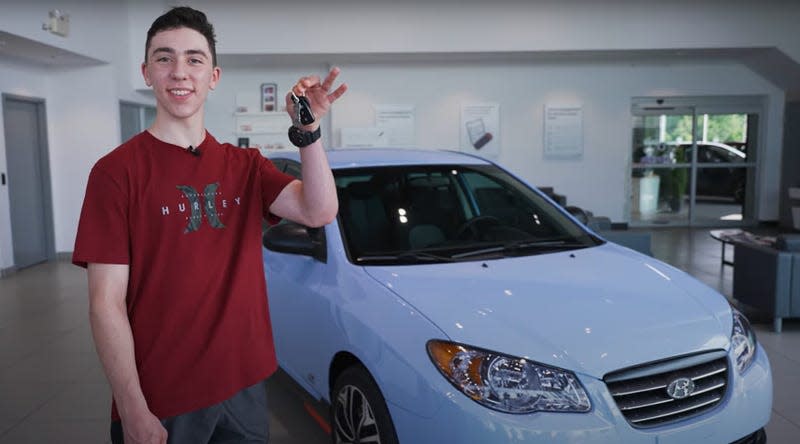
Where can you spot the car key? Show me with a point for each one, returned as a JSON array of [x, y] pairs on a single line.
[[302, 110]]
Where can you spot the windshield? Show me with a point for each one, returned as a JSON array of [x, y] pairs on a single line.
[[423, 214]]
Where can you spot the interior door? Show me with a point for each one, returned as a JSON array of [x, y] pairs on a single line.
[[28, 181]]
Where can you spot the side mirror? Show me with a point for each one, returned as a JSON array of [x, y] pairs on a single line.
[[293, 238]]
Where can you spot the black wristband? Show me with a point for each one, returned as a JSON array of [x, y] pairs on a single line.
[[302, 139]]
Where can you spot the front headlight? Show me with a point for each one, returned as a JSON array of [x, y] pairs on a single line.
[[506, 383], [743, 341]]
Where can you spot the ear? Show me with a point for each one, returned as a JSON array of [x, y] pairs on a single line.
[[215, 75], [146, 75]]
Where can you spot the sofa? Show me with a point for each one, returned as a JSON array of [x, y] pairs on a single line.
[[767, 277]]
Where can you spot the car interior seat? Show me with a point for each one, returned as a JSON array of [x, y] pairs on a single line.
[[367, 225], [433, 215]]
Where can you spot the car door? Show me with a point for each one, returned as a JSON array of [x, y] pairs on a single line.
[[300, 312], [713, 181]]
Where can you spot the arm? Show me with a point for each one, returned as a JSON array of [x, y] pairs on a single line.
[[111, 329], [312, 201]]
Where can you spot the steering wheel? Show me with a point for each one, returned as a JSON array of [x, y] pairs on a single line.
[[471, 226]]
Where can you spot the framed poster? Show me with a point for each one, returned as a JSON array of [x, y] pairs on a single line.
[[269, 97], [480, 129]]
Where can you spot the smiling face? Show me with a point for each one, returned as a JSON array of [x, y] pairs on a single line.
[[180, 70]]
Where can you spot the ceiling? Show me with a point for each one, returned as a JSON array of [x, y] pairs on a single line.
[[769, 62], [30, 52]]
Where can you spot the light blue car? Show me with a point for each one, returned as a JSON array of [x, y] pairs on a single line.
[[450, 302]]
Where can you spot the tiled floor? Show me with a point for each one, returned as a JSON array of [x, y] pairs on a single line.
[[52, 388]]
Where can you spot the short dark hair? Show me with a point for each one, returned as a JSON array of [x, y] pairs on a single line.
[[184, 17]]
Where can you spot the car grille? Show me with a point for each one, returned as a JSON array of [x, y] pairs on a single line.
[[641, 393]]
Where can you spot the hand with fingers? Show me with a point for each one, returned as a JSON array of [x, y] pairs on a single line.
[[318, 95]]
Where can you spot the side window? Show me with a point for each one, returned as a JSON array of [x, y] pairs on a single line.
[[293, 169], [491, 198], [708, 155], [280, 164], [509, 206], [289, 167]]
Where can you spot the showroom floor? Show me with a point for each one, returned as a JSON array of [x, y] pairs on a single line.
[[52, 388]]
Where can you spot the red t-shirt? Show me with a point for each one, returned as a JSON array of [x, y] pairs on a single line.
[[190, 229]]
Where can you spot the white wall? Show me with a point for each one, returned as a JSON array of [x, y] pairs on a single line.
[[598, 181], [221, 102], [83, 126], [140, 15]]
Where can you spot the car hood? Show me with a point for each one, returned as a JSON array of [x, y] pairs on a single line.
[[592, 310]]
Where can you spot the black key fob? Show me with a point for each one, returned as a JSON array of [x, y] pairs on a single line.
[[304, 113], [302, 110]]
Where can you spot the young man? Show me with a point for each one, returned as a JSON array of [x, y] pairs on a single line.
[[170, 232]]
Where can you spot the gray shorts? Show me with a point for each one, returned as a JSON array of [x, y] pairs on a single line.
[[240, 419]]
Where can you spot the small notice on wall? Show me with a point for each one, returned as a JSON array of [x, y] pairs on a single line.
[[363, 137], [563, 131], [398, 122]]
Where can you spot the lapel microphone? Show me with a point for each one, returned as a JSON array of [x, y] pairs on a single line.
[[195, 151]]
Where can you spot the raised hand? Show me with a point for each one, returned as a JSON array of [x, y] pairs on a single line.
[[318, 93]]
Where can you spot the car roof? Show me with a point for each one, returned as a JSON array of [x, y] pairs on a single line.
[[369, 157], [721, 146]]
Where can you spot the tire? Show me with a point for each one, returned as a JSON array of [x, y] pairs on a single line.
[[358, 410]]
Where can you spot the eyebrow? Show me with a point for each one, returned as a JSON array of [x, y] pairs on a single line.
[[187, 52]]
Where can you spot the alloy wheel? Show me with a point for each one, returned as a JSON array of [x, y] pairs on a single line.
[[354, 419]]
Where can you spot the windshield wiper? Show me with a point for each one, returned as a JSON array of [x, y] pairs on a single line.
[[409, 256], [513, 247]]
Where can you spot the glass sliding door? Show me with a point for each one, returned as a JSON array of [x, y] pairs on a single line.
[[692, 165], [661, 170], [725, 167]]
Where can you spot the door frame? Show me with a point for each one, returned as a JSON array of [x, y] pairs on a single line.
[[729, 104], [44, 165]]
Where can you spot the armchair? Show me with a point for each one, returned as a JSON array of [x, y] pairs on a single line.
[[767, 278]]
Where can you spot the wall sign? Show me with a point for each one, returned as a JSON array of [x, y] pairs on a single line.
[[398, 122], [563, 131]]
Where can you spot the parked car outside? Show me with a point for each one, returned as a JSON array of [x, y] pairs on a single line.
[[727, 182], [720, 176], [450, 302]]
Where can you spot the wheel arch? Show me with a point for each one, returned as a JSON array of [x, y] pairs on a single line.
[[341, 361]]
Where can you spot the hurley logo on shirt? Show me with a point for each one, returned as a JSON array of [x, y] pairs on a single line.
[[194, 208]]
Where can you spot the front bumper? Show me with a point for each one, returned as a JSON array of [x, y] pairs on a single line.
[[759, 437], [744, 411]]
